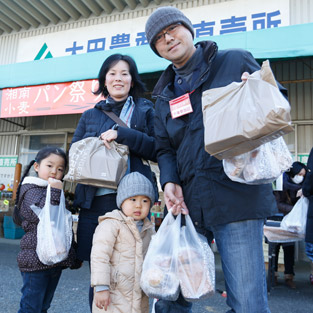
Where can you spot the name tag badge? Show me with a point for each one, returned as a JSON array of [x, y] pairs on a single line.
[[180, 106]]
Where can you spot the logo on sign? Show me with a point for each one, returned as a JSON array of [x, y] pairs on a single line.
[[43, 53]]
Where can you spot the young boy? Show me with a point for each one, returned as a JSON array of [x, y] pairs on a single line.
[[119, 245]]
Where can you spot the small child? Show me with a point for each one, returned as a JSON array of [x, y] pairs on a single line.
[[39, 280], [120, 243]]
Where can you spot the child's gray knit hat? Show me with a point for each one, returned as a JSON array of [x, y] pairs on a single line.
[[163, 17], [134, 184]]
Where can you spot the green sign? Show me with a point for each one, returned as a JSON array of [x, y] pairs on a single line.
[[303, 158], [8, 161], [7, 169]]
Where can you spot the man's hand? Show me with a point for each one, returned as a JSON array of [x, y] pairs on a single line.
[[174, 199], [108, 136], [102, 299]]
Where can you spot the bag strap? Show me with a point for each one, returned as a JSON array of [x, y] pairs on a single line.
[[118, 121], [115, 118]]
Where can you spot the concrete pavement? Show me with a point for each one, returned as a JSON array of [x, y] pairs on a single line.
[[71, 295]]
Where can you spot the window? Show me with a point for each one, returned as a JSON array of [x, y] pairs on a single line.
[[31, 144]]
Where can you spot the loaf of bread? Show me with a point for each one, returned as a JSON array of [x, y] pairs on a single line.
[[196, 272], [160, 283]]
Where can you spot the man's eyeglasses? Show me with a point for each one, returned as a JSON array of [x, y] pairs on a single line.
[[171, 30]]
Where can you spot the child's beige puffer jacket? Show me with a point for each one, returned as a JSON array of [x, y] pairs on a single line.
[[116, 260]]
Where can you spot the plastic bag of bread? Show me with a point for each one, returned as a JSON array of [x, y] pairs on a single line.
[[54, 230], [195, 264], [158, 278], [263, 165]]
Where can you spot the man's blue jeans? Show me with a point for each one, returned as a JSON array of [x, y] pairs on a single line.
[[178, 306], [240, 245], [309, 250], [38, 290]]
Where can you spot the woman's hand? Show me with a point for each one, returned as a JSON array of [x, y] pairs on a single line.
[[102, 299], [108, 136], [245, 76], [174, 199], [55, 183], [299, 193]]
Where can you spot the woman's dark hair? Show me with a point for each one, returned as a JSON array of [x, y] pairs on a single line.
[[295, 169], [41, 155], [137, 88]]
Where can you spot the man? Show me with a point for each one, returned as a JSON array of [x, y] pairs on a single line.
[[193, 180]]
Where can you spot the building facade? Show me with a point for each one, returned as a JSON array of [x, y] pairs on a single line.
[[32, 37]]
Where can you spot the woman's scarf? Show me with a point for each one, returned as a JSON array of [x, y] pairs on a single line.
[[127, 111], [126, 116]]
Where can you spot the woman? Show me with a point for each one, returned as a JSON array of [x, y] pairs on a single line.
[[120, 85], [286, 199], [308, 192]]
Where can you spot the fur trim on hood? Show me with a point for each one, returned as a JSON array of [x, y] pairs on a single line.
[[35, 180]]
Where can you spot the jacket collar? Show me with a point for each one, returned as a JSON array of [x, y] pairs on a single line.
[[35, 181], [119, 215], [109, 106], [101, 105], [209, 52]]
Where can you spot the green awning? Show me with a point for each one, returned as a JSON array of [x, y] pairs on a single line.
[[275, 43]]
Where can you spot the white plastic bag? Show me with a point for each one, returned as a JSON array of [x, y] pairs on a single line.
[[158, 278], [263, 165], [54, 231], [153, 305], [295, 220], [195, 264]]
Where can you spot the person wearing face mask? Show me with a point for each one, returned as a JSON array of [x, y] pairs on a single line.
[[286, 199], [298, 179]]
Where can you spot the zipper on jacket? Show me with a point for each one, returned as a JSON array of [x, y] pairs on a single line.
[[164, 98], [114, 282], [205, 72], [160, 96]]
